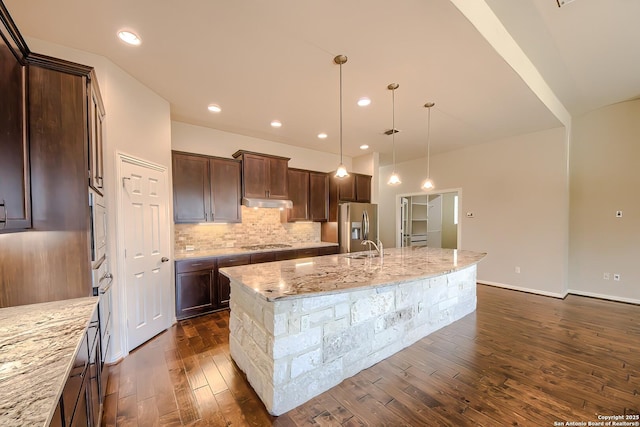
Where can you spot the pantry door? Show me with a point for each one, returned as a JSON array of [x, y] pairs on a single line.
[[145, 218]]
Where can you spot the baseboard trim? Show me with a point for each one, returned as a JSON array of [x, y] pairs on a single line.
[[521, 289], [603, 296], [561, 296]]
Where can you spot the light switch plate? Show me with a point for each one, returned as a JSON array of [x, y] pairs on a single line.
[[618, 214]]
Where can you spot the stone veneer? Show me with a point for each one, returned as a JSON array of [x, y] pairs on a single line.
[[258, 226], [294, 349]]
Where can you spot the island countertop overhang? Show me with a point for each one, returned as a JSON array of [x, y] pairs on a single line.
[[332, 274]]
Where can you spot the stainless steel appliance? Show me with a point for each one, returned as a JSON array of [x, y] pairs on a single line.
[[356, 222], [102, 280]]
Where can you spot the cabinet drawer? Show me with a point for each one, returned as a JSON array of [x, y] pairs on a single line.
[[195, 265], [233, 260], [263, 257], [285, 255], [307, 252], [72, 388]]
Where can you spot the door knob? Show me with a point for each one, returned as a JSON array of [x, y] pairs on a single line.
[[164, 259]]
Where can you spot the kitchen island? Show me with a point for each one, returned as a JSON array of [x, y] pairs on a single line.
[[300, 327]]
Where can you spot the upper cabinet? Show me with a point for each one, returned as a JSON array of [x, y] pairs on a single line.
[[205, 189], [15, 208], [318, 196], [354, 188], [299, 194], [96, 133], [263, 176]]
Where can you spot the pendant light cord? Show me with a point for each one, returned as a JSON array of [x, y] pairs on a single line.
[[393, 127], [341, 113], [428, 140]]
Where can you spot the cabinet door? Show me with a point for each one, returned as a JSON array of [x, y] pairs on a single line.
[[363, 188], [278, 182], [96, 132], [318, 196], [191, 188], [346, 188], [225, 190], [299, 195], [15, 209], [255, 173], [195, 293], [224, 286]]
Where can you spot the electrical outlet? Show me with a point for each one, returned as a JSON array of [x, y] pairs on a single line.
[[606, 276], [618, 214], [189, 248], [518, 270], [469, 214], [616, 277]]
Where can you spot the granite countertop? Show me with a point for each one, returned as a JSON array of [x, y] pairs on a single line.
[[192, 255], [38, 344], [342, 273]]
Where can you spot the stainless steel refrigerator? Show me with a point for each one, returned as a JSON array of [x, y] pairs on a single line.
[[356, 222]]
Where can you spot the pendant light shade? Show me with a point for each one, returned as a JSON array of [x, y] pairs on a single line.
[[427, 184], [394, 179], [341, 172]]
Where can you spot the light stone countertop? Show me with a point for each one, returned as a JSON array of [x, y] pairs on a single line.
[[193, 255], [38, 344], [331, 274]]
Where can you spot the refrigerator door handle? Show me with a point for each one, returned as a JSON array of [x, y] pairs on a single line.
[[365, 225]]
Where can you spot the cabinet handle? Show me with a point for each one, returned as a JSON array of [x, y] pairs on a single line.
[[3, 219]]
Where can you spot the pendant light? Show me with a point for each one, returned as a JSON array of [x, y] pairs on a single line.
[[394, 179], [428, 184], [341, 172]]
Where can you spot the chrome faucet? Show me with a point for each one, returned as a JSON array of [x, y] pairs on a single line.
[[378, 247]]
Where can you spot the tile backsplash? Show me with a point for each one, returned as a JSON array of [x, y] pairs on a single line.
[[259, 226]]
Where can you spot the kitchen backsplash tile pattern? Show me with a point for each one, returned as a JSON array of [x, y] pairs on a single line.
[[259, 226]]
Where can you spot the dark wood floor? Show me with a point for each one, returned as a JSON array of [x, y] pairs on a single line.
[[520, 359]]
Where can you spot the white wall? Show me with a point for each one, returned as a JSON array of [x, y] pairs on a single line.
[[213, 142], [518, 192], [137, 123], [605, 177]]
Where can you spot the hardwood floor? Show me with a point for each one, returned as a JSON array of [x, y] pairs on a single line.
[[520, 359]]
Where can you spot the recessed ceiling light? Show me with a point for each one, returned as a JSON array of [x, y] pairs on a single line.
[[364, 101], [276, 124], [129, 37], [214, 108], [322, 135], [364, 147]]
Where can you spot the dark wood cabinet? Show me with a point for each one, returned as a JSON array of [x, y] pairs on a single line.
[[309, 192], [318, 196], [363, 188], [95, 134], [201, 288], [224, 287], [80, 402], [15, 206], [195, 288], [205, 189], [191, 193], [354, 188], [299, 195], [225, 190], [263, 176]]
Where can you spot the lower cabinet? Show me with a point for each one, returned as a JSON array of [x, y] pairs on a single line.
[[81, 400], [224, 288], [201, 288], [195, 288]]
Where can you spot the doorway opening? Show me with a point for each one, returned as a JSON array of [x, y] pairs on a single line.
[[428, 219]]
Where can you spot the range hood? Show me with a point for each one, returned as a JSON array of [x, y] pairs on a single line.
[[252, 202]]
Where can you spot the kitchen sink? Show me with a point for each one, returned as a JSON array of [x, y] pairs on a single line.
[[362, 256]]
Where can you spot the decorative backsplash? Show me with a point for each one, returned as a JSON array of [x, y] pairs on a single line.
[[259, 226]]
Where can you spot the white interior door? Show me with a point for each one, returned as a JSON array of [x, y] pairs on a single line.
[[146, 240]]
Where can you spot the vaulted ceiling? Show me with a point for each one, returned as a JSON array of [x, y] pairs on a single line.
[[262, 61]]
